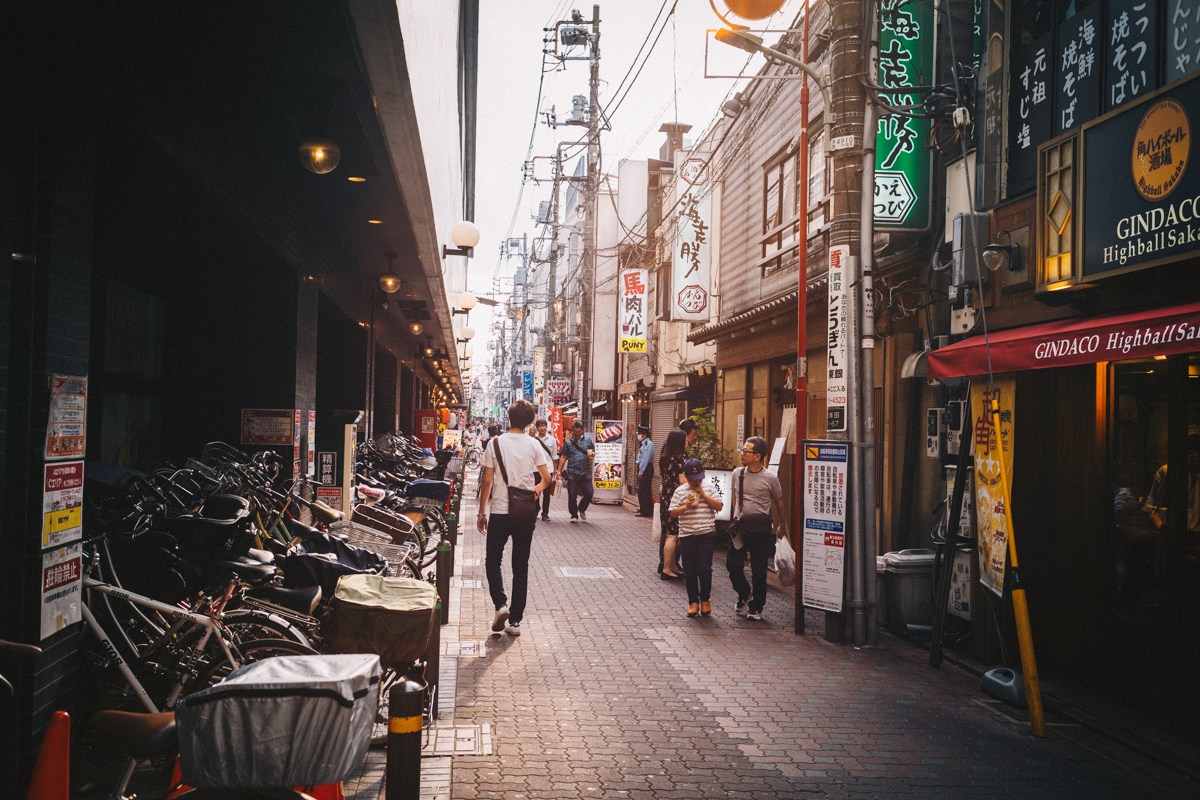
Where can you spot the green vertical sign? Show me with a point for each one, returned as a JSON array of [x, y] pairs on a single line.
[[903, 164]]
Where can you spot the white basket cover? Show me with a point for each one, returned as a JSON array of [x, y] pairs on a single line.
[[281, 722]]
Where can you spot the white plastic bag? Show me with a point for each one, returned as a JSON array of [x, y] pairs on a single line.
[[656, 527], [785, 561]]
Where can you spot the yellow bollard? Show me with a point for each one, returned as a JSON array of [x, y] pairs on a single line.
[[1033, 692]]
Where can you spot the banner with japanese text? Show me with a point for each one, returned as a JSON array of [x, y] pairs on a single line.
[[539, 368], [632, 316], [823, 540], [989, 490], [691, 265], [903, 164], [838, 362]]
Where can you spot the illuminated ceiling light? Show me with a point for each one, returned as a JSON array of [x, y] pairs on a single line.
[[375, 221], [390, 281], [320, 156], [416, 328], [356, 180]]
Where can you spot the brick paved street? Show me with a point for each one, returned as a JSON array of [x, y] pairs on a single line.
[[612, 691]]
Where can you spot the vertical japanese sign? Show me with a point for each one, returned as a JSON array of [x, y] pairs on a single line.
[[632, 316], [327, 468], [62, 503], [836, 385], [65, 434], [312, 444], [606, 469], [527, 379], [1132, 55], [296, 444], [539, 368], [989, 491], [690, 273], [903, 164], [1030, 122], [556, 423], [62, 584], [825, 470], [1078, 80], [1182, 38]]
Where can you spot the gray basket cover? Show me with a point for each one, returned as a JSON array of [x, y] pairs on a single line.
[[282, 722]]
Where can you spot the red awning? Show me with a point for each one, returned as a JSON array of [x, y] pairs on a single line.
[[1068, 342]]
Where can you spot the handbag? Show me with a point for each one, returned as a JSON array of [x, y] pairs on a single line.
[[736, 533], [522, 503], [656, 527]]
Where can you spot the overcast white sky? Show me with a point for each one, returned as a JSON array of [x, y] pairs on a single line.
[[510, 57]]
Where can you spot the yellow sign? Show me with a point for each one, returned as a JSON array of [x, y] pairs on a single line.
[[1160, 149], [633, 345], [812, 453], [989, 490]]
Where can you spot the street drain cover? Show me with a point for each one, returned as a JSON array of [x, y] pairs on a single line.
[[588, 572]]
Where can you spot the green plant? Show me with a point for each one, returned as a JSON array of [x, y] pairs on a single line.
[[708, 443]]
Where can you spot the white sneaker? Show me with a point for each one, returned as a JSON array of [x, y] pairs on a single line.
[[583, 516], [501, 618], [743, 607], [514, 628], [754, 616]]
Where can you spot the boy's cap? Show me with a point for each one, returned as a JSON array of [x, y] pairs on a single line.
[[693, 469]]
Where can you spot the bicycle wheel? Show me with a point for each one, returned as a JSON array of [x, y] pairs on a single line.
[[250, 624], [241, 794], [250, 653]]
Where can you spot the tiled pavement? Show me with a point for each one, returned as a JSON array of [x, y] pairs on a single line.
[[612, 691]]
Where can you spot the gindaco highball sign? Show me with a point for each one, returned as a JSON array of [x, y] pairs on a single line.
[[1141, 194]]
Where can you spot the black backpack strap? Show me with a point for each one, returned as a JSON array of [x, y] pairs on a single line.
[[547, 449], [500, 461]]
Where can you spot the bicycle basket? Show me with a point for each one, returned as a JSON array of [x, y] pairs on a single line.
[[390, 617], [283, 721], [221, 453], [434, 490]]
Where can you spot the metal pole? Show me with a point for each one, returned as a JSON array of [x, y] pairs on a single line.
[[588, 275], [404, 741], [865, 470], [433, 661], [1033, 691], [445, 559], [848, 98], [801, 348]]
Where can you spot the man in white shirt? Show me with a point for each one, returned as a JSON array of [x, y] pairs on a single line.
[[523, 459], [550, 445]]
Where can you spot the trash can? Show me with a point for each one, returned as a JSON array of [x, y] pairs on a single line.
[[909, 585]]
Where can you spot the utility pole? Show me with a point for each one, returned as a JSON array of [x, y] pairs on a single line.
[[846, 64], [588, 274], [552, 286]]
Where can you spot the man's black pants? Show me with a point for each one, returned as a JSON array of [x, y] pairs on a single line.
[[579, 486], [645, 494]]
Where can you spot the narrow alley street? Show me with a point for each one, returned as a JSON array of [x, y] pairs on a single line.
[[611, 691]]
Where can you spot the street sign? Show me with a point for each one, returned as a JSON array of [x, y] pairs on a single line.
[[903, 164]]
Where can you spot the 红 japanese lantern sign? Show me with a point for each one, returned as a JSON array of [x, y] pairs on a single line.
[[632, 316], [693, 214]]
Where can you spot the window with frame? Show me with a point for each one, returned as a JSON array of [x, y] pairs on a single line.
[[780, 221]]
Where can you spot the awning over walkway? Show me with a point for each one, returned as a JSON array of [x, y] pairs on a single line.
[[1069, 342]]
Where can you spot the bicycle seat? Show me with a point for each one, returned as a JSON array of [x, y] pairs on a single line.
[[303, 600], [250, 572], [299, 530], [137, 735], [261, 556], [324, 513]]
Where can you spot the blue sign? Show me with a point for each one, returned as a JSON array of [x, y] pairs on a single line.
[[527, 378]]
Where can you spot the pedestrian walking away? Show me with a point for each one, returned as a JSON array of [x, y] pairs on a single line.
[[550, 445], [670, 467], [518, 457], [576, 455], [755, 492], [695, 507], [645, 467]]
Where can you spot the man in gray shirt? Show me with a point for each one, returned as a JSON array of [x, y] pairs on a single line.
[[760, 492]]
